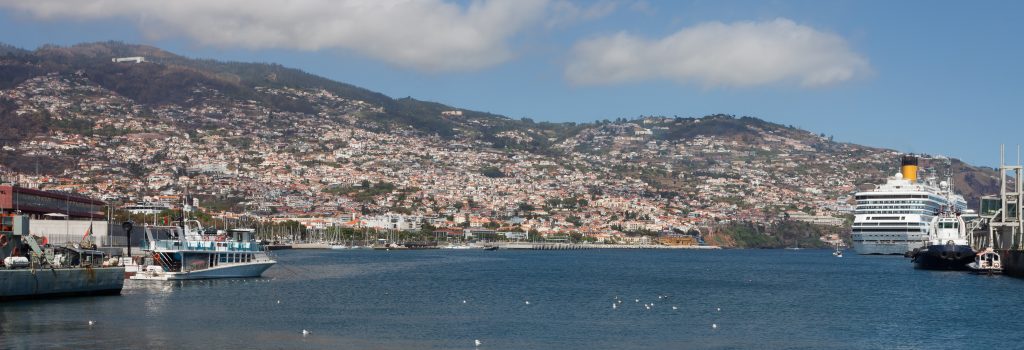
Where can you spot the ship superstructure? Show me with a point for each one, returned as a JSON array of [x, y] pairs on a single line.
[[896, 217]]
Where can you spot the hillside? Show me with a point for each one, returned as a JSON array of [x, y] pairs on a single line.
[[278, 141], [168, 79]]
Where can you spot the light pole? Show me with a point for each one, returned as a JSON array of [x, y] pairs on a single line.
[[127, 226]]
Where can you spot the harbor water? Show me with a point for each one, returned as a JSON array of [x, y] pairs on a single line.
[[447, 299]]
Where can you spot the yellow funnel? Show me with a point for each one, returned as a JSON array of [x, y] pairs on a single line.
[[909, 168]]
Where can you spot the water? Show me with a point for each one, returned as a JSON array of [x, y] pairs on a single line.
[[783, 299]]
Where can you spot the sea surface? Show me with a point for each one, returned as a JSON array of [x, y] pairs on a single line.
[[447, 299]]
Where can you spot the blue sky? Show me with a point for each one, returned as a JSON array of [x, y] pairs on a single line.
[[937, 77]]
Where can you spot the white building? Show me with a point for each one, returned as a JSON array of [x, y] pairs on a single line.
[[136, 59], [394, 222]]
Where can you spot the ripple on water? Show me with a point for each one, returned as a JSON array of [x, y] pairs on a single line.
[[413, 300]]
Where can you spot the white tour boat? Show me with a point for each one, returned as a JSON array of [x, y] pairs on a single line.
[[187, 253]]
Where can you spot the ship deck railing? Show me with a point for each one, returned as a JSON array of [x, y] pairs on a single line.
[[212, 246]]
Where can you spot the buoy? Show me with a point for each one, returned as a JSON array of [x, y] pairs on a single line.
[[305, 332], [714, 325], [278, 301], [527, 302], [463, 301], [477, 342]]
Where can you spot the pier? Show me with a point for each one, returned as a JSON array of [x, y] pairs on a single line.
[[574, 246]]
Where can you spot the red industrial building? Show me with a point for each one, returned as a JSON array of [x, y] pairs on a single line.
[[36, 203]]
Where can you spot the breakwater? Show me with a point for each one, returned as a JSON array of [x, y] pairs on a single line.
[[571, 246]]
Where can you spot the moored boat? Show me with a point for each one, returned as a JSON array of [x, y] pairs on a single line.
[[187, 253], [894, 218], [986, 262], [947, 247], [30, 269]]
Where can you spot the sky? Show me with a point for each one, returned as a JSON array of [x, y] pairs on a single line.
[[935, 77]]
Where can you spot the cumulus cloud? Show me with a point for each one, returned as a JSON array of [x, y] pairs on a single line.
[[428, 35], [716, 54]]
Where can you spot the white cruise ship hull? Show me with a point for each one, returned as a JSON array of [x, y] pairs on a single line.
[[240, 270], [885, 248], [895, 217]]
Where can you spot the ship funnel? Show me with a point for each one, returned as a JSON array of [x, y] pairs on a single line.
[[909, 168]]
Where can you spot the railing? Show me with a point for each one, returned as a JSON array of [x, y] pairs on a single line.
[[209, 246]]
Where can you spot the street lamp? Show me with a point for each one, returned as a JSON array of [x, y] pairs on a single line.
[[127, 226]]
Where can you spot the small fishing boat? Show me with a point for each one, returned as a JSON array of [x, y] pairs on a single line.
[[986, 262]]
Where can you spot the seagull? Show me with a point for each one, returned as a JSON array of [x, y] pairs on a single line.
[[305, 332], [527, 302], [659, 297], [718, 309], [91, 322], [675, 308], [638, 300], [714, 325], [463, 301], [278, 301], [614, 306], [477, 342]]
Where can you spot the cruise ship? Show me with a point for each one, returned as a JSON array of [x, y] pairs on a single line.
[[896, 217]]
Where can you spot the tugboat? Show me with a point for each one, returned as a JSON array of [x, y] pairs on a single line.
[[947, 247]]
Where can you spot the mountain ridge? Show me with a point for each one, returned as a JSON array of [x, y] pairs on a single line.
[[271, 122]]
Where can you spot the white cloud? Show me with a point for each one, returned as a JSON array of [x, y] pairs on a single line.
[[716, 54], [427, 35], [564, 12]]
